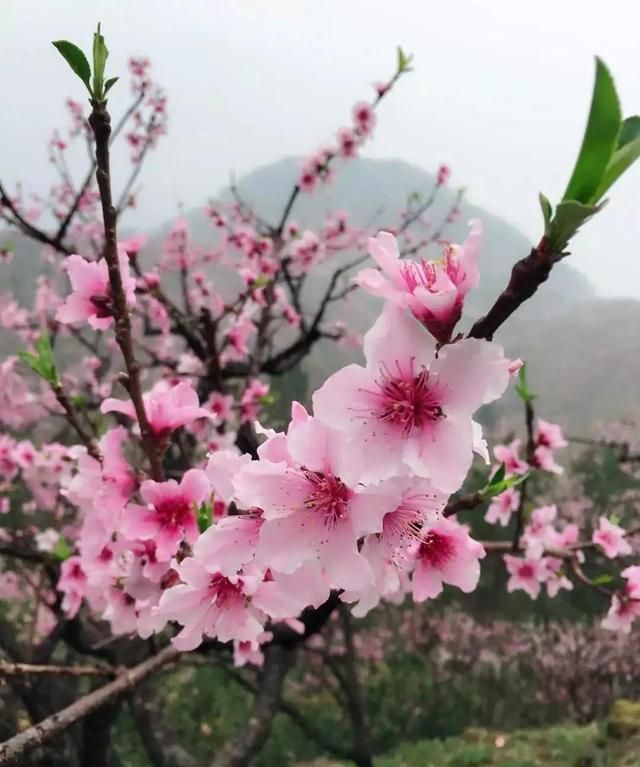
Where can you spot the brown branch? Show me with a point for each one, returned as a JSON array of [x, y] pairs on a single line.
[[526, 277], [137, 167], [100, 122], [66, 221], [72, 418], [528, 418], [18, 220], [462, 503], [25, 555], [567, 552], [16, 747], [29, 669]]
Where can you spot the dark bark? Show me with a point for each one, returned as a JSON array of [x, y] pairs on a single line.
[[97, 742], [526, 277], [240, 750], [158, 739], [14, 750], [362, 755]]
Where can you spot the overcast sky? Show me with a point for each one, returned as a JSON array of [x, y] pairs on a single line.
[[500, 91]]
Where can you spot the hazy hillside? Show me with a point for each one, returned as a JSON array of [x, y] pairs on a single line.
[[368, 187], [583, 351]]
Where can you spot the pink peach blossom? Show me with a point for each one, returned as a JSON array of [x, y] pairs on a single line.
[[433, 291], [167, 408], [502, 506], [446, 553], [212, 605], [91, 299], [611, 538], [526, 574], [307, 501], [170, 512], [409, 410], [549, 435], [508, 455]]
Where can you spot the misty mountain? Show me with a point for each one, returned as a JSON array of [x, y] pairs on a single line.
[[582, 350]]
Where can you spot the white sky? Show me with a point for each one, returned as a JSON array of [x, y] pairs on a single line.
[[500, 91]]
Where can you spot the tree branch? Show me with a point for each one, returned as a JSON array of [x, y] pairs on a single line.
[[526, 277], [29, 669], [100, 122], [15, 748]]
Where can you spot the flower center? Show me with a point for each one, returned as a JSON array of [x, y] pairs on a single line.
[[223, 591], [526, 571], [403, 526], [174, 512], [418, 274], [329, 496], [407, 401], [436, 549], [103, 304]]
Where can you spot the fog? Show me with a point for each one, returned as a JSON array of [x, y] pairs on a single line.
[[500, 92]]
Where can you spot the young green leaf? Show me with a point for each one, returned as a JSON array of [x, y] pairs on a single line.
[[76, 59], [404, 61], [568, 219], [522, 387], [499, 476], [109, 84], [497, 486], [626, 154], [600, 138], [100, 54], [602, 580], [630, 131], [547, 212], [205, 516], [62, 550], [42, 362]]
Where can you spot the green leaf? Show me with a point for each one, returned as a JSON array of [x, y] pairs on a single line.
[[499, 476], [568, 219], [205, 516], [630, 131], [42, 362], [602, 580], [404, 61], [76, 59], [522, 387], [62, 550], [600, 138], [498, 484], [109, 84], [547, 212], [623, 158], [100, 54]]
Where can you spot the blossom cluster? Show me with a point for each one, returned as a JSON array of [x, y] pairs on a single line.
[[347, 499]]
